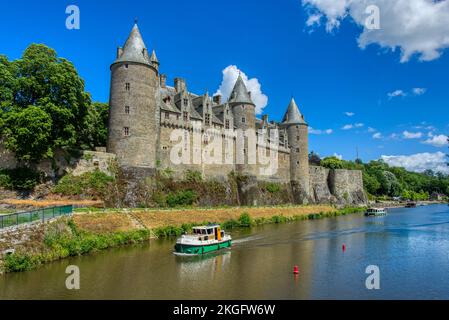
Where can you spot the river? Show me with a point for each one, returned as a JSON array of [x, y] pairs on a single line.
[[410, 247]]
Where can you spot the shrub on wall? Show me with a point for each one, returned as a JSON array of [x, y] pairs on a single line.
[[90, 183], [181, 198], [23, 179]]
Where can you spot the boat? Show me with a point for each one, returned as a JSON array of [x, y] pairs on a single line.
[[410, 205], [202, 240], [376, 212]]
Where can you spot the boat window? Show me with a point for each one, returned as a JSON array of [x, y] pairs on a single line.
[[203, 231], [209, 231]]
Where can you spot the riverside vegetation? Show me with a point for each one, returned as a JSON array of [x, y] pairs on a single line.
[[86, 233]]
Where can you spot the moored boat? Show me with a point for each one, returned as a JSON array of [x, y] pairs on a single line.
[[376, 212], [204, 239]]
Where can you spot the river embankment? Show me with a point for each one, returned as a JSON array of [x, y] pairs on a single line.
[[91, 230]]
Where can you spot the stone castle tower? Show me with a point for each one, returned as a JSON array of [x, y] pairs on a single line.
[[298, 131], [134, 114]]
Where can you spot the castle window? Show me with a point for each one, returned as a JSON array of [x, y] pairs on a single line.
[[297, 162], [207, 118], [297, 138], [185, 116], [186, 102], [126, 66], [127, 86], [126, 109], [126, 131], [297, 150], [227, 124], [167, 115], [243, 120]]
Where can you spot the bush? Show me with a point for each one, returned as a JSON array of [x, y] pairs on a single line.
[[193, 176], [20, 178], [90, 183], [245, 220], [181, 198], [273, 187]]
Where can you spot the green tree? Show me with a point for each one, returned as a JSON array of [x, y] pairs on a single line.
[[27, 133], [95, 130], [332, 163], [42, 80]]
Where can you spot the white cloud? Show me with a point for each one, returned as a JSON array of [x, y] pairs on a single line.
[[371, 130], [314, 19], [420, 162], [338, 156], [352, 126], [436, 141], [419, 91], [319, 131], [350, 114], [377, 135], [413, 26], [412, 135], [230, 75], [397, 93]]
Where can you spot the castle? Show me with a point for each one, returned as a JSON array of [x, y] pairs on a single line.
[[145, 111]]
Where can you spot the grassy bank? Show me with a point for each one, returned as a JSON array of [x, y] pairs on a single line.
[[90, 232]]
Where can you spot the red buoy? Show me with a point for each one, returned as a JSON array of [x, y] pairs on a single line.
[[343, 247], [296, 270]]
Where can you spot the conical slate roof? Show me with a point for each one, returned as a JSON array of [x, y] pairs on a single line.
[[134, 49], [293, 115], [240, 92], [154, 57]]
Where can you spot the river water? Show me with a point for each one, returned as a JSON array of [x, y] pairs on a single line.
[[410, 247]]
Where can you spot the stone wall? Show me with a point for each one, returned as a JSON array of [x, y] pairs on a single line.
[[347, 186], [63, 162]]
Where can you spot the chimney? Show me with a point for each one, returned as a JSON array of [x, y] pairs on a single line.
[[217, 99], [119, 52], [180, 85], [163, 81]]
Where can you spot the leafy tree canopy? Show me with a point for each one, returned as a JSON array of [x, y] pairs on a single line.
[[43, 106]]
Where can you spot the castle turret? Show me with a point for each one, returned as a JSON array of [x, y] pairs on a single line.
[[133, 115], [243, 110], [298, 139], [242, 106]]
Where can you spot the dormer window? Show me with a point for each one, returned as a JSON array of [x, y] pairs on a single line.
[[185, 116], [227, 124], [207, 119], [186, 102]]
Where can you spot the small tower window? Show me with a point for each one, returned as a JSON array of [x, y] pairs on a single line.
[[127, 86], [126, 131], [185, 116], [297, 138], [126, 109], [297, 150], [243, 120]]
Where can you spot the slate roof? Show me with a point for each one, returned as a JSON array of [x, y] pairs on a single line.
[[134, 49], [293, 115]]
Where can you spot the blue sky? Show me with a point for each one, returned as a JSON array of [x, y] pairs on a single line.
[[323, 67]]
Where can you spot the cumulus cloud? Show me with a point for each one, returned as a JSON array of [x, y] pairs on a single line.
[[319, 131], [396, 93], [350, 114], [438, 141], [412, 135], [338, 156], [352, 126], [377, 135], [420, 162], [230, 75], [415, 27], [371, 130], [419, 91]]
